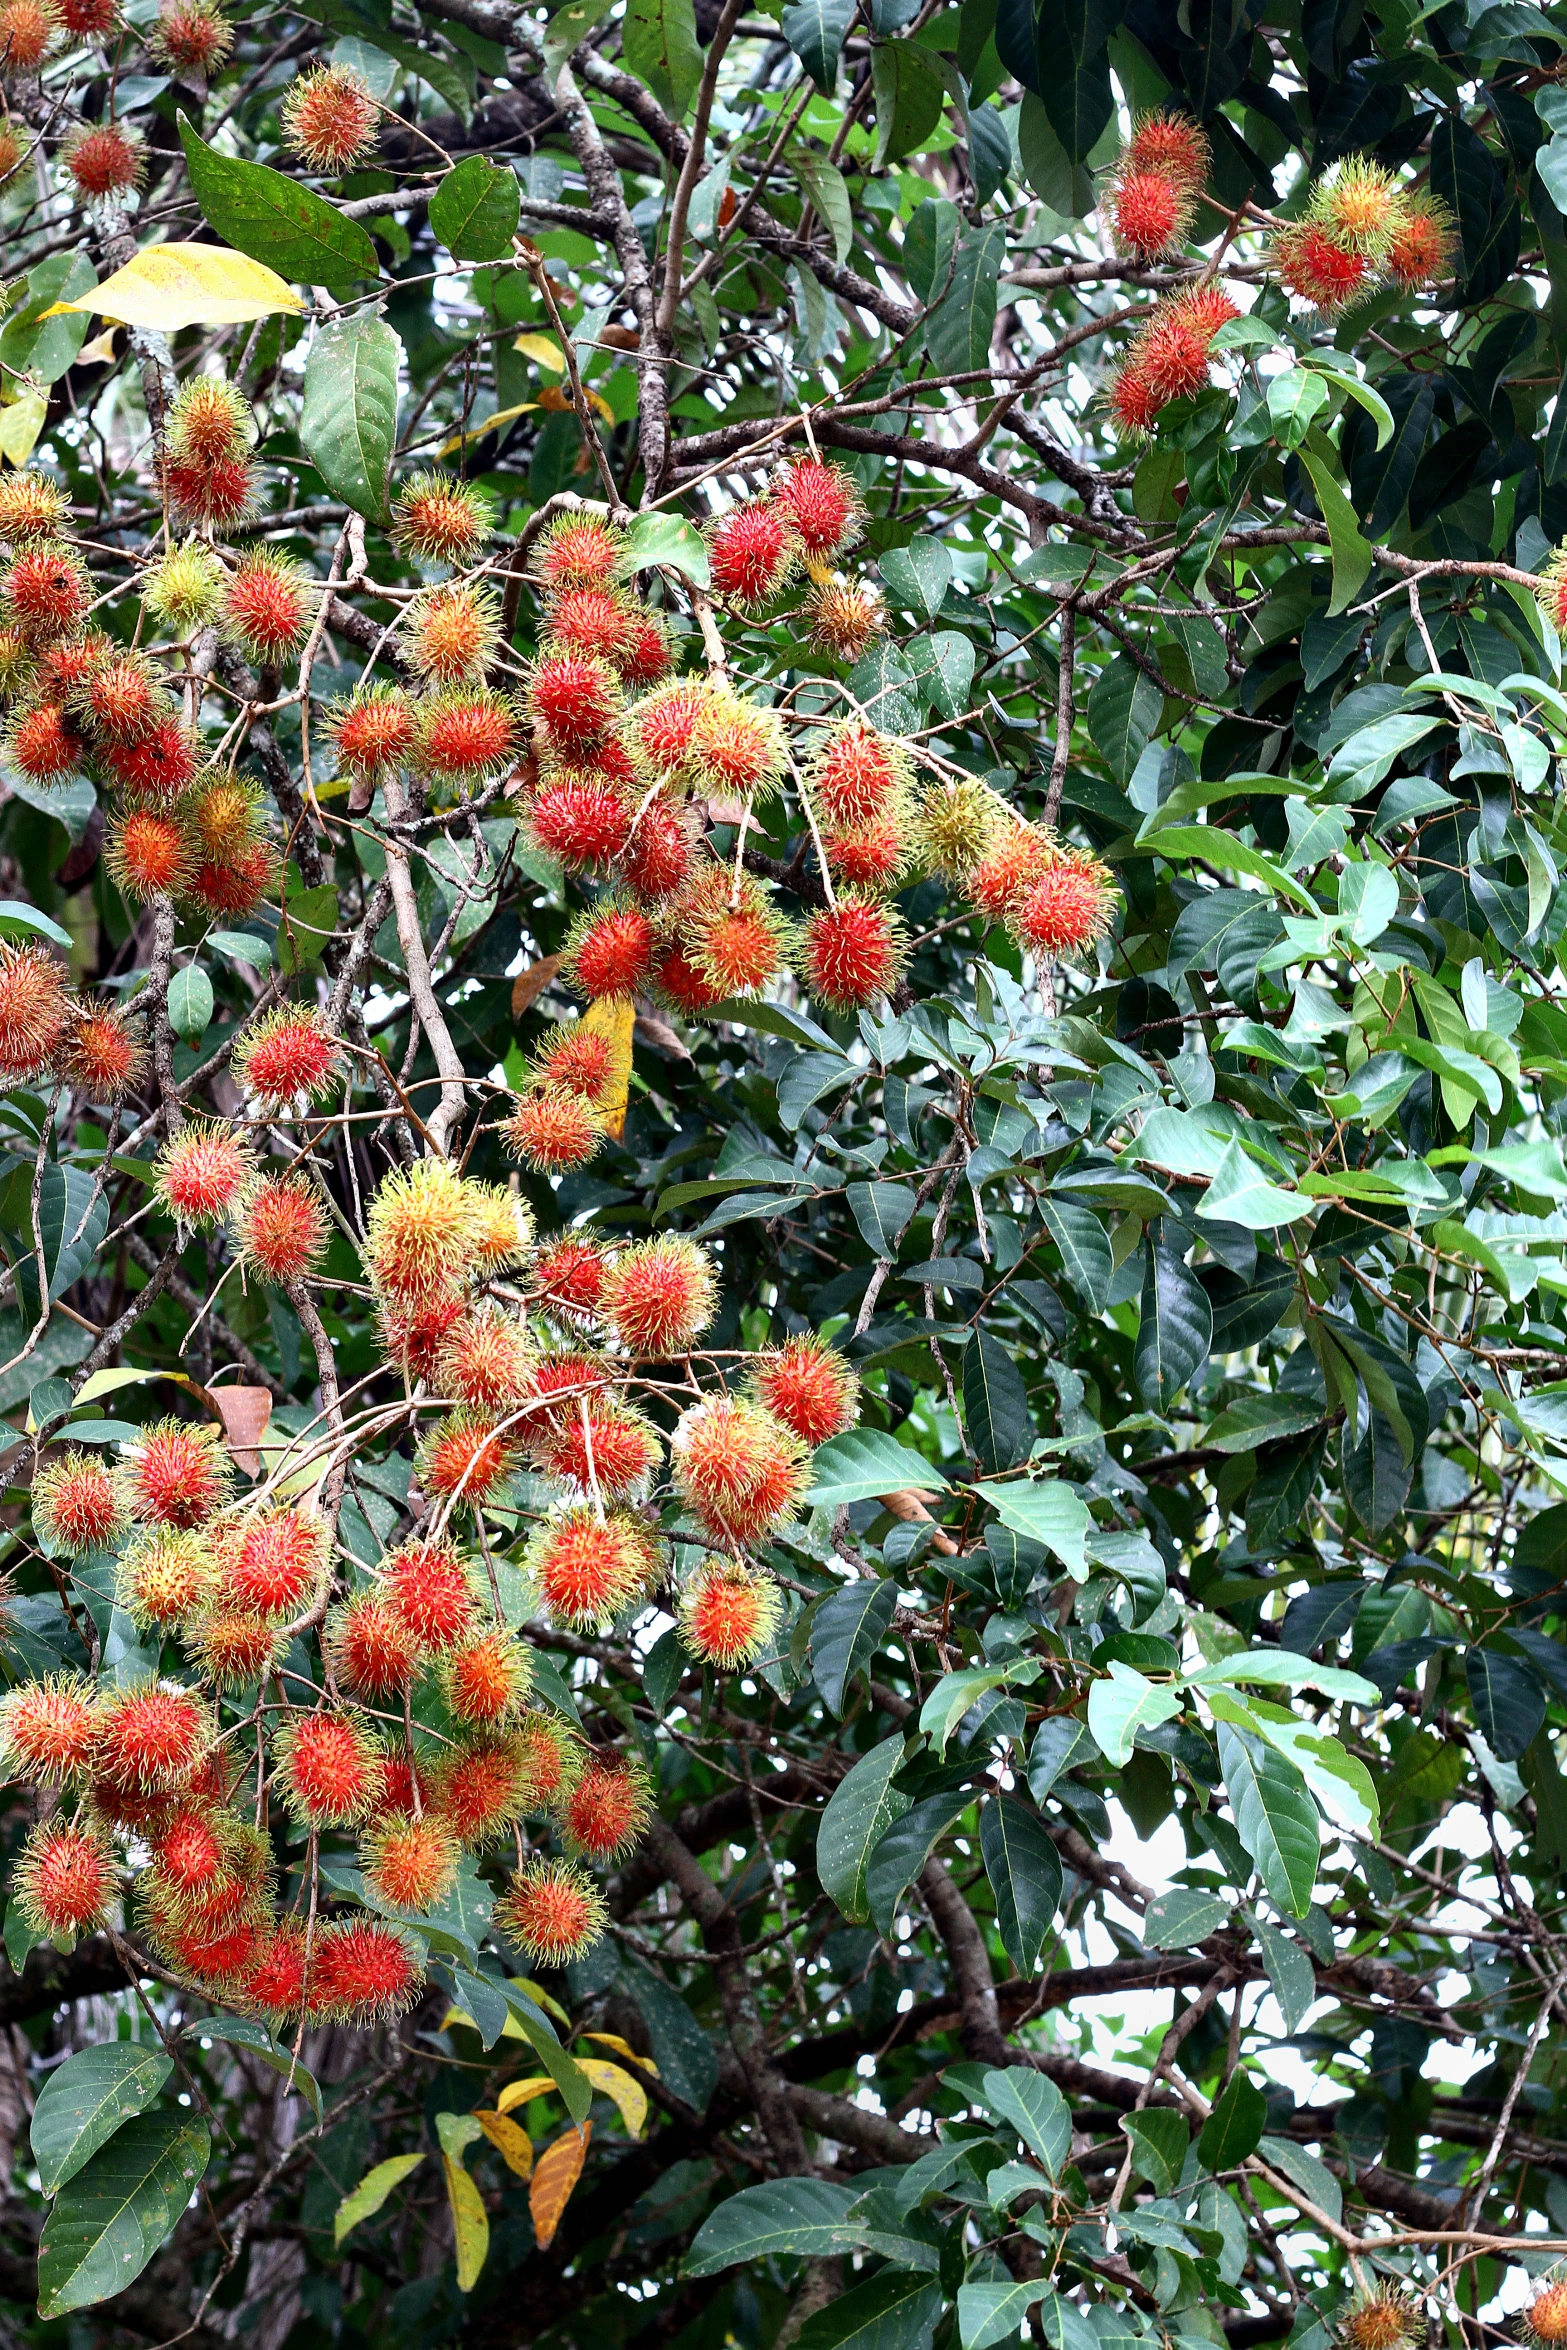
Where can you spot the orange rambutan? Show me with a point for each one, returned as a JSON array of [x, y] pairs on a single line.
[[606, 1810], [603, 1446], [1173, 346], [569, 1276], [412, 1863], [77, 1505], [480, 1789], [438, 519], [656, 860], [852, 953], [609, 949], [871, 856], [752, 551], [192, 37], [374, 732], [327, 1768], [370, 1646], [420, 1230], [582, 819], [404, 1786], [486, 1679], [330, 119], [64, 1880], [551, 1758], [466, 733], [1382, 2317], [28, 31], [575, 1056], [164, 1574], [42, 744], [736, 938], [267, 610], [1319, 268], [1169, 143], [449, 634], [122, 700], [287, 1056], [431, 1587], [48, 1729], [999, 881], [235, 887], [820, 504], [807, 1384], [223, 815], [729, 1613], [151, 1735], [101, 1054], [148, 855], [553, 1130], [1066, 908], [222, 494], [364, 1973], [32, 506], [15, 148], [280, 1229], [278, 1560], [207, 470], [484, 1359], [1421, 247], [1149, 212], [465, 1459], [589, 1568], [594, 624], [234, 1646], [576, 551], [740, 1469], [200, 1174], [847, 616], [174, 1473], [738, 749], [552, 1911], [659, 1296], [857, 773], [35, 1010], [660, 729], [1544, 2322], [104, 160], [574, 700]]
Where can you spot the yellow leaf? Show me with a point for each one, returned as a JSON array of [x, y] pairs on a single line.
[[611, 2080], [470, 2224], [556, 2172], [613, 1017], [625, 2049], [488, 424], [170, 286], [598, 403], [525, 1983], [518, 2093], [543, 350], [20, 425], [100, 348], [510, 2140]]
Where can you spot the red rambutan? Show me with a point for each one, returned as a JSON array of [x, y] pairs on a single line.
[[738, 1467], [807, 1384], [370, 1646], [147, 855], [1149, 212], [660, 729], [327, 1768], [579, 818], [48, 1729], [646, 655], [430, 1586], [104, 160], [999, 881], [569, 1276], [729, 1614], [159, 765], [656, 860], [480, 1789], [590, 1568], [659, 1296], [576, 551], [174, 1473], [870, 856], [278, 1561], [682, 983], [192, 37], [1544, 2322], [286, 1056], [413, 1337], [1171, 144], [373, 732], [1319, 268], [574, 700], [201, 1173], [330, 119], [189, 1850], [751, 552], [484, 1360], [602, 1445], [234, 888], [77, 1505], [465, 1459], [275, 1979], [151, 1735], [605, 1812], [609, 950], [466, 733], [28, 30], [857, 773], [280, 1228], [552, 1911], [1421, 247], [577, 1057], [42, 744], [1066, 907], [267, 610], [364, 1973], [64, 1880], [593, 624], [852, 953], [101, 1054], [820, 503]]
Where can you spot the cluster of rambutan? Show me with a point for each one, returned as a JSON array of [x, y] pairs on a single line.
[[47, 1031]]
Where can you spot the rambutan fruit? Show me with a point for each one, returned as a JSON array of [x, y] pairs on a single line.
[[419, 1232], [122, 700], [857, 773], [48, 1729], [77, 1505], [151, 1735], [738, 749], [752, 552], [659, 1296], [657, 860], [729, 1613], [35, 1010], [660, 729], [374, 732], [999, 881], [15, 148], [1319, 268], [609, 949], [148, 855], [574, 701], [431, 1587], [1066, 908], [575, 1056], [234, 1646], [64, 1880], [847, 616], [605, 1812], [1168, 143], [268, 608], [101, 1054], [594, 624], [438, 519], [647, 655], [551, 1758], [820, 504], [480, 1789], [852, 953], [604, 1445], [210, 422], [1173, 347], [1382, 2317], [200, 1174], [326, 1768], [412, 1336], [552, 1911], [576, 551], [192, 38], [737, 940], [126, 1811], [580, 818], [174, 1473], [45, 592], [1544, 2322], [214, 1957], [223, 814], [164, 1574], [484, 1360], [959, 820], [465, 1459], [553, 1130], [278, 1561], [559, 1382], [466, 733], [185, 587], [234, 888], [287, 1056], [370, 1646], [42, 744], [189, 1849], [1420, 249], [412, 1863], [569, 1276], [18, 661], [364, 1973], [28, 32], [589, 1568], [740, 1469], [1359, 203], [871, 856], [330, 120], [1149, 212], [223, 494], [681, 983], [502, 1228], [280, 1229], [807, 1384], [158, 766], [104, 161], [32, 506], [276, 1979], [449, 634], [487, 1679], [1551, 589]]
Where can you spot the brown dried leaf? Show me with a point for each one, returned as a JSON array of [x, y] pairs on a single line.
[[245, 1413], [529, 985]]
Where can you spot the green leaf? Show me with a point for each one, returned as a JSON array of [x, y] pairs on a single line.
[[816, 30], [930, 244], [567, 29], [1234, 2127], [988, 2313], [1086, 1257], [17, 919], [81, 2106], [1183, 1917], [659, 45], [955, 1693], [1121, 1705], [1046, 1510], [910, 94], [276, 220], [903, 1852], [894, 2310], [1294, 399], [1159, 2140], [348, 421], [995, 1404], [1218, 847], [1239, 1193], [919, 574], [245, 2032], [1290, 1972], [1508, 1701], [846, 1631], [243, 946], [804, 2218], [1352, 557], [958, 332], [190, 1003], [1260, 1419], [881, 1210], [662, 538], [943, 667], [1067, 187], [865, 1464], [112, 2217], [827, 189], [1025, 1877], [1275, 1816], [1123, 710], [859, 1812], [1036, 2109], [1175, 1330], [372, 2191], [1315, 2181], [475, 210]]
